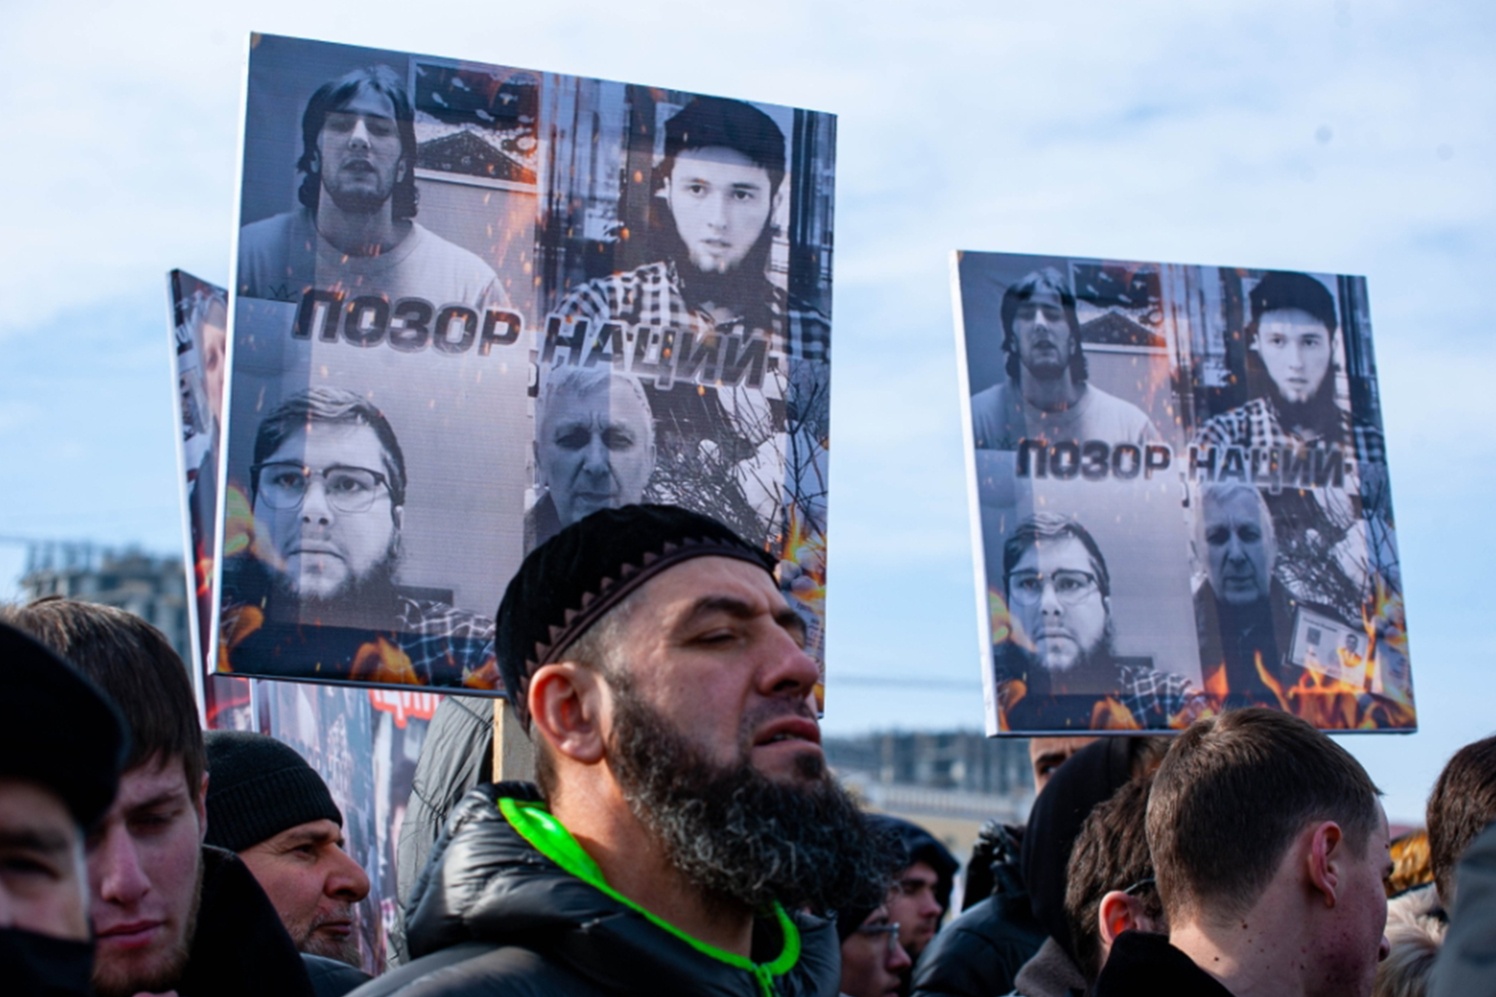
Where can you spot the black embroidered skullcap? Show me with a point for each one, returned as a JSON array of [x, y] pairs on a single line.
[[569, 582], [60, 730]]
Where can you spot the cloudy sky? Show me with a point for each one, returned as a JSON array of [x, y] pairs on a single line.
[[1324, 135]]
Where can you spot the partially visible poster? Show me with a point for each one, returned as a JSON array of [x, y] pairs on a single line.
[[199, 341], [1180, 496], [475, 303]]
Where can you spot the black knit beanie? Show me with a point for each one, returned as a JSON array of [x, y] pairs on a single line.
[[569, 582], [259, 787], [60, 729]]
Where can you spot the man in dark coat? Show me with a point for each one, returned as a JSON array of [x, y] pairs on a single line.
[[685, 833], [61, 748], [168, 913]]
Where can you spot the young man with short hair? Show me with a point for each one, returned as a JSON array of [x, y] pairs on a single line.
[[1269, 847], [168, 913]]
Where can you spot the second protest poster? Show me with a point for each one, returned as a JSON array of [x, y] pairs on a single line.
[[1180, 496], [473, 304]]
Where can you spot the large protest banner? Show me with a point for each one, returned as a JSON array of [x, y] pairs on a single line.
[[1180, 496], [475, 303], [364, 743]]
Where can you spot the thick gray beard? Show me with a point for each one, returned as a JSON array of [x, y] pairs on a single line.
[[743, 839], [170, 974]]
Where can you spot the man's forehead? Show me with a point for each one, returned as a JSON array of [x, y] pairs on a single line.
[[613, 403], [714, 158], [680, 588], [1064, 551], [1292, 319], [1041, 297], [321, 829], [156, 777], [367, 102], [1234, 509], [28, 805], [920, 871], [331, 443]]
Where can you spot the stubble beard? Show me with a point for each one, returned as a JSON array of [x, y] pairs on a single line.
[[358, 201], [107, 982], [744, 840], [344, 949]]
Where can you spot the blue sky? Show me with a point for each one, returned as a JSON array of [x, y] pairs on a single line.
[[1317, 135]]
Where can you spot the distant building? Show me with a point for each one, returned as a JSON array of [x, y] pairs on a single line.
[[148, 585], [949, 782]]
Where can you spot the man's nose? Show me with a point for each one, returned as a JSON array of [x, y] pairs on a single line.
[[347, 879], [122, 881], [1049, 600], [360, 132], [595, 456], [716, 214], [790, 670], [898, 958], [314, 505]]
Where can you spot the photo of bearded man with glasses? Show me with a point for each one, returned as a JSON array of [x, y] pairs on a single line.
[[327, 490], [1058, 665]]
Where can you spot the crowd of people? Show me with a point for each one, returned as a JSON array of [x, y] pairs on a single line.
[[684, 834]]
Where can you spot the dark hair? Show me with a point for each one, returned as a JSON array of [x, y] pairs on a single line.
[[134, 664], [1110, 854], [1462, 804], [714, 122], [1280, 290], [334, 96], [1232, 794], [340, 407], [1052, 526], [1038, 282]]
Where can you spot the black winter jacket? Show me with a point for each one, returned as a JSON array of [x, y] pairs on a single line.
[[457, 755], [493, 915], [240, 948], [1144, 965]]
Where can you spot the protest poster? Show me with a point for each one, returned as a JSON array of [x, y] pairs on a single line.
[[1179, 493], [364, 743], [199, 342], [473, 304]]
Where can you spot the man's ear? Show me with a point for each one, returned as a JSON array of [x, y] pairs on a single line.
[[398, 515], [566, 705], [1118, 913], [1325, 858]]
